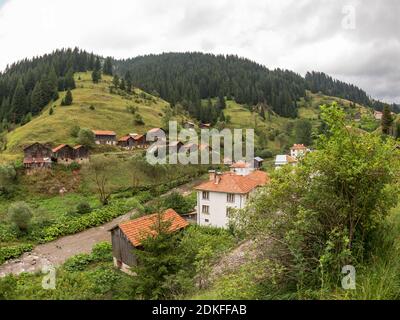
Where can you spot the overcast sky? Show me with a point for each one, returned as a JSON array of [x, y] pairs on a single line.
[[353, 40]]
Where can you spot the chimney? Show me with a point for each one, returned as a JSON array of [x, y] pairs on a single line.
[[218, 177], [211, 174]]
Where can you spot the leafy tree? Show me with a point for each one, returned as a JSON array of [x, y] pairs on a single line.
[[86, 137], [20, 214], [303, 131], [320, 215], [386, 120], [75, 131], [8, 177], [178, 202]]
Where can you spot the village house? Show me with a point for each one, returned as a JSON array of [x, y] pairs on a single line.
[[81, 154], [127, 237], [298, 151], [224, 192], [140, 140], [105, 137], [157, 132], [284, 159], [241, 168], [63, 154], [37, 156], [126, 142]]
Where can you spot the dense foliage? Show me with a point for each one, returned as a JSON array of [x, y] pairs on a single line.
[[321, 215]]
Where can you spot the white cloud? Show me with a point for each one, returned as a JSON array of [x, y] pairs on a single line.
[[300, 35]]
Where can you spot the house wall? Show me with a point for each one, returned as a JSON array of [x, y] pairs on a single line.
[[111, 140], [123, 250], [217, 208]]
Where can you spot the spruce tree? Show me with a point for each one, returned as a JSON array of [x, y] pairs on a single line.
[[108, 68], [18, 104], [67, 101]]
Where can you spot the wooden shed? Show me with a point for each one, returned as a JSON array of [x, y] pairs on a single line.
[[64, 154], [81, 154], [127, 237], [37, 156], [126, 142], [105, 137]]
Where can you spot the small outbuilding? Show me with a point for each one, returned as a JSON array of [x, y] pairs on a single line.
[[37, 156], [127, 237], [64, 154], [81, 154], [126, 142], [105, 137]]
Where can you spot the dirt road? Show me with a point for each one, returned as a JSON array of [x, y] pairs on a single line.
[[56, 252]]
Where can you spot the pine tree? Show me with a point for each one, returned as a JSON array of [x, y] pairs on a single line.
[[18, 104], [69, 82], [108, 67], [115, 81], [96, 74], [67, 101], [37, 99]]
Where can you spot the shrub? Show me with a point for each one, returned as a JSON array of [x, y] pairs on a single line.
[[78, 262], [20, 214], [75, 131], [11, 252], [102, 252], [74, 166], [265, 154], [137, 119], [83, 207]]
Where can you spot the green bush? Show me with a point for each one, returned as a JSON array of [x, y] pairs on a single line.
[[7, 234], [78, 262], [11, 252], [83, 207], [20, 214], [102, 251]]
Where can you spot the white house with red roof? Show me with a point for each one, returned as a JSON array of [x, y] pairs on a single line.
[[223, 192], [298, 150]]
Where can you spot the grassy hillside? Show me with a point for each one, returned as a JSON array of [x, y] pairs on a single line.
[[94, 107], [108, 112]]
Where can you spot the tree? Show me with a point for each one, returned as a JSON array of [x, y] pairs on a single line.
[[67, 101], [320, 215], [156, 261], [20, 214], [86, 137], [386, 120], [138, 119], [115, 81], [18, 104], [37, 99], [100, 173], [303, 131], [108, 67], [51, 111], [96, 74], [8, 177]]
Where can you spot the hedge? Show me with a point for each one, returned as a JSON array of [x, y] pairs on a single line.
[[11, 252]]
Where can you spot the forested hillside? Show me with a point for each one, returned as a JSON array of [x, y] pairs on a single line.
[[26, 87]]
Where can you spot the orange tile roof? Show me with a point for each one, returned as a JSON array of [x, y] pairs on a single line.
[[155, 130], [138, 137], [233, 183], [59, 147], [104, 133], [125, 138], [298, 147], [139, 229]]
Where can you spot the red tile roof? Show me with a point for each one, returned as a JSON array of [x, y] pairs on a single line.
[[233, 183], [139, 229], [138, 137], [104, 133]]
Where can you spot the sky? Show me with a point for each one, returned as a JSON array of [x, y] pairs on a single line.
[[356, 41]]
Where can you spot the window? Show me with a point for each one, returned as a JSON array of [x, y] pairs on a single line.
[[206, 220], [205, 209], [230, 197], [206, 195]]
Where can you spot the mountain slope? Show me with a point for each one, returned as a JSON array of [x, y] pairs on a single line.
[[108, 112]]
